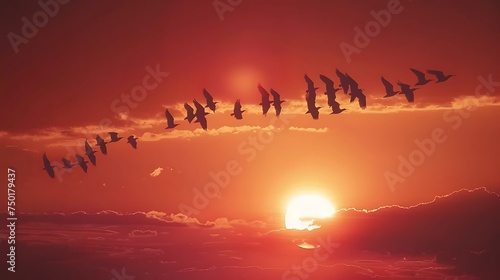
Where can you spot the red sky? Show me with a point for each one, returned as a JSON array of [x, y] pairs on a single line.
[[64, 80]]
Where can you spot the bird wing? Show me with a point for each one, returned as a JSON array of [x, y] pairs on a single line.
[[362, 100], [208, 97], [276, 95], [388, 86], [344, 83], [46, 162], [170, 118], [263, 92], [409, 96], [88, 149], [113, 135], [237, 106], [436, 73], [198, 105], [352, 83], [188, 108], [309, 82], [328, 82], [420, 75], [79, 158]]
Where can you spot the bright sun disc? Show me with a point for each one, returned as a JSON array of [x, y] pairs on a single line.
[[302, 211]]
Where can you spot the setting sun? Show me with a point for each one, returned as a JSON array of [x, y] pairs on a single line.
[[302, 210]]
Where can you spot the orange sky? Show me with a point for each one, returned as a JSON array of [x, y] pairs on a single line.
[[64, 80]]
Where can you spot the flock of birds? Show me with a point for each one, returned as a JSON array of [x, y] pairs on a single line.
[[347, 84]]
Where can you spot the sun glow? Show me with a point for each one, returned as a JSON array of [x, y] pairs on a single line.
[[302, 211]]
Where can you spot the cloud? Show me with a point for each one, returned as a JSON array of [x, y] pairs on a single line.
[[309, 129], [142, 233], [152, 218], [156, 172]]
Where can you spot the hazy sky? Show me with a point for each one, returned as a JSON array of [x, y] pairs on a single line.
[[66, 84]]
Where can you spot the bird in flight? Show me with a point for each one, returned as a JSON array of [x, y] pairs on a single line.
[[114, 137], [311, 98], [344, 81], [47, 167], [67, 163], [407, 91], [90, 153], [170, 120], [210, 100], [356, 92], [389, 88], [190, 113], [330, 90], [422, 80], [237, 112], [441, 77], [102, 144], [276, 102], [133, 141], [200, 115], [81, 162], [265, 102]]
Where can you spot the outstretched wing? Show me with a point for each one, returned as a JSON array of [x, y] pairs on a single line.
[[237, 106], [388, 86], [198, 105], [263, 92], [189, 109], [309, 82], [328, 82], [208, 97], [170, 118], [276, 96], [436, 73], [420, 75]]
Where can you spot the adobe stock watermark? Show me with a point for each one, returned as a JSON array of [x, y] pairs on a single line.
[[121, 276], [49, 9], [223, 6], [427, 147], [121, 107], [372, 29], [310, 264], [249, 148]]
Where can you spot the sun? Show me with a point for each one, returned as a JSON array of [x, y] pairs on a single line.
[[302, 210]]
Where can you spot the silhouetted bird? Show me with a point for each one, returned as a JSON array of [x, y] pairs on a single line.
[[102, 145], [170, 120], [67, 163], [439, 75], [200, 115], [210, 100], [407, 91], [81, 162], [330, 90], [190, 113], [265, 102], [389, 88], [344, 81], [311, 105], [133, 141], [114, 137], [422, 80], [311, 98], [90, 153], [277, 102], [47, 167], [356, 92], [336, 108], [237, 112]]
